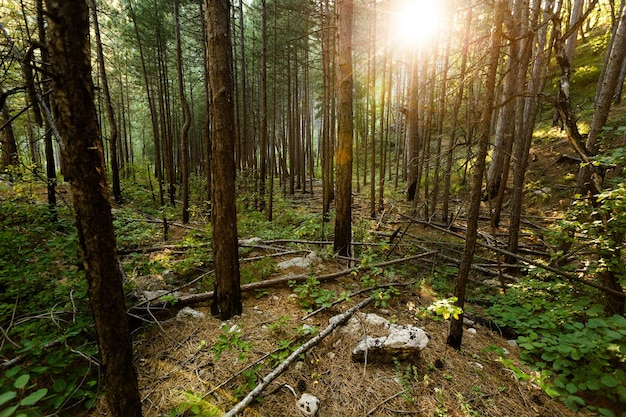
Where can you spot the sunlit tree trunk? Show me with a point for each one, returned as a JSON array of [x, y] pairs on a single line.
[[68, 26], [343, 222], [108, 108]]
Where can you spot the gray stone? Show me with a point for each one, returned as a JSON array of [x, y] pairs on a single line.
[[402, 343], [188, 313], [300, 262]]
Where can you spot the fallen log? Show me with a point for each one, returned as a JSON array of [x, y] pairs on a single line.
[[191, 299]]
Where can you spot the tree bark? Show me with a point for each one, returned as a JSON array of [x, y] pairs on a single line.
[[343, 221], [227, 298], [108, 108], [82, 151], [455, 337], [184, 133]]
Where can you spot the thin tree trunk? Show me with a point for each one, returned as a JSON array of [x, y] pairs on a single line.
[[455, 336], [184, 134], [108, 108]]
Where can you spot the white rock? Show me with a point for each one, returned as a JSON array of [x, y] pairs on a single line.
[[512, 343], [251, 241], [478, 365], [403, 342], [471, 332], [188, 313], [309, 404], [300, 262]]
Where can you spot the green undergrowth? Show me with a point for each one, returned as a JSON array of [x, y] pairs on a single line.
[[48, 349], [580, 353]]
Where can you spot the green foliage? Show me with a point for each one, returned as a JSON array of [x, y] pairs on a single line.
[[564, 335], [195, 405], [585, 75], [407, 377], [258, 270], [442, 308], [311, 294], [44, 312], [231, 339]]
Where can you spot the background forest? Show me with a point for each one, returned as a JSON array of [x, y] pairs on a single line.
[[490, 133]]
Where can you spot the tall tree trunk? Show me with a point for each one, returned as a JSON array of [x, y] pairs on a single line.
[[343, 221], [51, 176], [227, 297], [184, 133], [536, 84], [82, 151], [455, 337], [158, 164], [108, 108], [263, 98]]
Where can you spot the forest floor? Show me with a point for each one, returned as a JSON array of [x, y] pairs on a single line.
[[180, 373]]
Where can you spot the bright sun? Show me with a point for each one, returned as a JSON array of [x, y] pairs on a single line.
[[416, 21]]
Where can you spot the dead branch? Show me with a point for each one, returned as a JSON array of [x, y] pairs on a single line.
[[191, 299], [238, 408], [529, 261]]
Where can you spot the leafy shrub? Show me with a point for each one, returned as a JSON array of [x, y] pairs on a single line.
[[47, 327], [563, 333]]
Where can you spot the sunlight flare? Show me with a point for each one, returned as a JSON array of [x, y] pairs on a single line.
[[417, 21]]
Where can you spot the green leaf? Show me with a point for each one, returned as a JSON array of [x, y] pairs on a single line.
[[8, 411], [34, 397], [7, 396], [609, 381], [606, 412], [571, 388], [21, 381], [59, 385]]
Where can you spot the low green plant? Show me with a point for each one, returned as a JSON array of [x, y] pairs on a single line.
[[577, 350], [311, 294], [406, 377], [231, 339], [195, 405]]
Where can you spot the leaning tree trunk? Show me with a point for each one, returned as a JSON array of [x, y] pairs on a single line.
[[227, 297], [81, 147], [456, 326]]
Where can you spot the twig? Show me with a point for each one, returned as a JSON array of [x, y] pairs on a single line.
[[334, 303], [238, 408], [386, 400], [538, 264]]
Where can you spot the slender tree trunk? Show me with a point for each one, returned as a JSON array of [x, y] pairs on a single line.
[[455, 337], [82, 151], [184, 134], [227, 299], [108, 108], [263, 98], [343, 221], [158, 165], [51, 178]]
